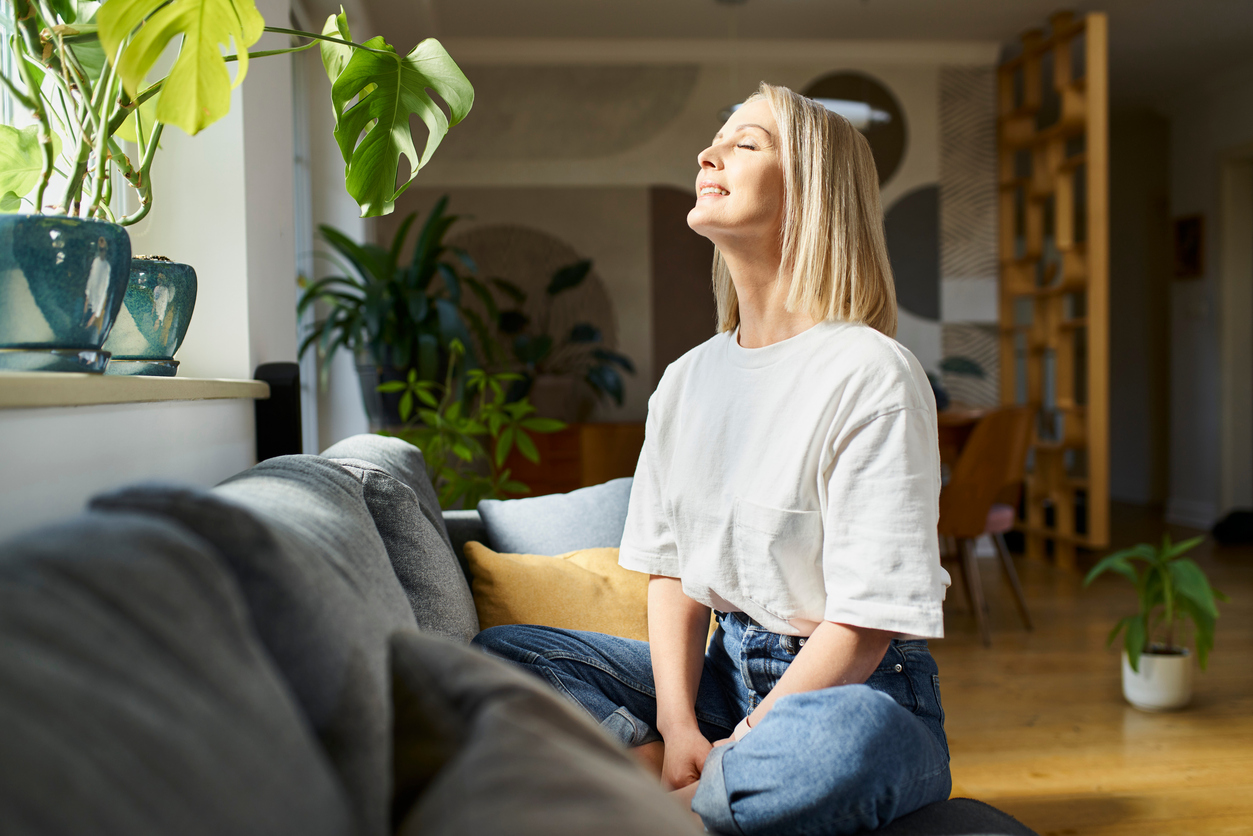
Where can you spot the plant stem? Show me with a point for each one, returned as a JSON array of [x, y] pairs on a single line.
[[17, 93], [45, 129], [142, 181], [329, 39], [104, 99]]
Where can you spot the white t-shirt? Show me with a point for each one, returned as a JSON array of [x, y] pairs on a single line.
[[796, 483]]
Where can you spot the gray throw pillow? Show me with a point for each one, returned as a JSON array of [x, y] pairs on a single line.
[[402, 460], [136, 698], [424, 564], [296, 533], [588, 518], [482, 747]]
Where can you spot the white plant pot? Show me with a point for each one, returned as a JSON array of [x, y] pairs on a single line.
[[1163, 683]]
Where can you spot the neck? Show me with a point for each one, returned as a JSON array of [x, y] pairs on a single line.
[[761, 289]]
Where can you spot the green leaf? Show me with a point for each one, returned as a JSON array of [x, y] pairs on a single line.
[[570, 276], [462, 452], [21, 158], [1171, 552], [527, 447], [197, 91], [1190, 582], [335, 56], [517, 294], [10, 203], [1137, 635], [427, 398], [382, 115], [543, 425], [1113, 634], [503, 445], [392, 386], [962, 365], [65, 10], [406, 406], [1116, 562], [513, 486]]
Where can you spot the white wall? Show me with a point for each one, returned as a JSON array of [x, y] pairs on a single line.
[[1206, 122], [222, 203]]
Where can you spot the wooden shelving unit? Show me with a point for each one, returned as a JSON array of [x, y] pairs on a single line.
[[1053, 138]]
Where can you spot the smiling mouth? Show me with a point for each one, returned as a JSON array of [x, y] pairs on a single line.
[[708, 190]]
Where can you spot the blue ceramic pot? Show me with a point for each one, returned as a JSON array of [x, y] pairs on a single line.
[[154, 319], [62, 281]]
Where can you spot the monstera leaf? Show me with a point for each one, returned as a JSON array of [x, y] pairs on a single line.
[[21, 163], [198, 90], [373, 132]]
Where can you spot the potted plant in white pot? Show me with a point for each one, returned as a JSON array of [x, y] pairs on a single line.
[[82, 74], [1175, 598]]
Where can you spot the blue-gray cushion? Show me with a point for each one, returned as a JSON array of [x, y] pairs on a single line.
[[296, 533], [482, 747], [587, 518], [136, 698]]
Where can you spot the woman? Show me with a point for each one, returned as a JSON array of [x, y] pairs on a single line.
[[789, 481]]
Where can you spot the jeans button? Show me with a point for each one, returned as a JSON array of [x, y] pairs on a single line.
[[898, 668]]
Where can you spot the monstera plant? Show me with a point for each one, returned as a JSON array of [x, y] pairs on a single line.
[[83, 71]]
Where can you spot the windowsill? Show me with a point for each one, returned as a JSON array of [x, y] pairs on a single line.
[[25, 390]]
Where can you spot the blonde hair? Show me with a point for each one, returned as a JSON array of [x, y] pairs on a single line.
[[833, 243]]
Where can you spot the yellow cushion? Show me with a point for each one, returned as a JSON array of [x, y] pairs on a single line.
[[579, 590]]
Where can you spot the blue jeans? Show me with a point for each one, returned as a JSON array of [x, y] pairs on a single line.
[[833, 761]]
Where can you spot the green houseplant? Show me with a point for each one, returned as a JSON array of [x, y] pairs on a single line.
[[466, 440], [1174, 595], [81, 71], [578, 355], [397, 316]]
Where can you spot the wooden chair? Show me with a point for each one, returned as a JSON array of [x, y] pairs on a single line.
[[993, 459]]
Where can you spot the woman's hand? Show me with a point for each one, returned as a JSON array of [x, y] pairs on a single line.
[[684, 759]]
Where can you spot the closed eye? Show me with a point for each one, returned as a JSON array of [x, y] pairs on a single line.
[[749, 147]]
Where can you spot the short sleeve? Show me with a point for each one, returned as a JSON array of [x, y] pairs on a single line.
[[881, 558], [648, 543]]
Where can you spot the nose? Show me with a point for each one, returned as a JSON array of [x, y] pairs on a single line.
[[710, 158]]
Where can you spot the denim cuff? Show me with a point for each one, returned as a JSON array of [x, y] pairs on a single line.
[[628, 728], [712, 802]]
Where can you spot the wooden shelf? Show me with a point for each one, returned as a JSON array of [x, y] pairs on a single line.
[[32, 390]]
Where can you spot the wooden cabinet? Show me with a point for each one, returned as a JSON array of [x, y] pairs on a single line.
[[579, 456]]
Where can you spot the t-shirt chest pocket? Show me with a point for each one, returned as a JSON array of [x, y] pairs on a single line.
[[778, 553]]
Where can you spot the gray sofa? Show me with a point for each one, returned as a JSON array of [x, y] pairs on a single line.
[[286, 653]]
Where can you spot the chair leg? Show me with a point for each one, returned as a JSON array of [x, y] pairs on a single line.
[[974, 588], [1008, 562]]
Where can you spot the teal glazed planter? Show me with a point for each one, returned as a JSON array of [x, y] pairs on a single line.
[[159, 302], [62, 281]]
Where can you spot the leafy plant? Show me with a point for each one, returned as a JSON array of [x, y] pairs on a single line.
[[460, 438], [1172, 589], [395, 311], [82, 69], [579, 352], [962, 365]]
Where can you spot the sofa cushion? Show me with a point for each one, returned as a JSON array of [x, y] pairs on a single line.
[[296, 533], [424, 564], [482, 747], [579, 590], [558, 523], [402, 460], [136, 698]]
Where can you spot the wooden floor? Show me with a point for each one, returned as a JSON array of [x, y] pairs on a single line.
[[1038, 727]]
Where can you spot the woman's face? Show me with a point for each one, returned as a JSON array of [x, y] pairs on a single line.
[[739, 190]]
